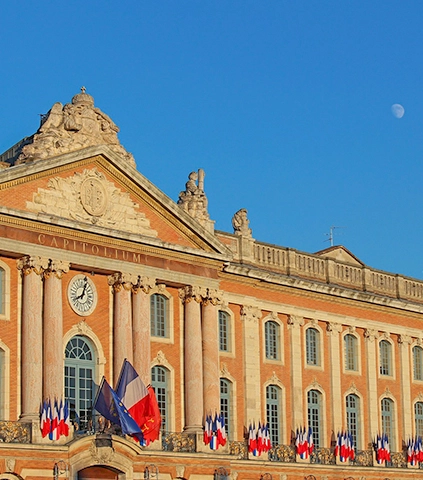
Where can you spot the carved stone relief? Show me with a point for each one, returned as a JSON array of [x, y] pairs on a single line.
[[90, 198], [72, 127]]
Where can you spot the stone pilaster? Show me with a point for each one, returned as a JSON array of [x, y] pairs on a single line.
[[371, 336], [404, 342], [294, 327], [32, 269], [122, 284], [193, 358], [53, 330], [141, 327], [250, 317], [333, 330], [210, 341]]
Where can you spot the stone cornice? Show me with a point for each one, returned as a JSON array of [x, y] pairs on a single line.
[[268, 279]]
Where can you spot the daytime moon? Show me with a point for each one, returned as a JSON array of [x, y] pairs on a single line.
[[397, 110]]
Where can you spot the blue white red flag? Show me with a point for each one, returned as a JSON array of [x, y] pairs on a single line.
[[140, 402]]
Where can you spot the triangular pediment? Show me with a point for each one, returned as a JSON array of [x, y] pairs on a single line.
[[340, 254], [96, 190]]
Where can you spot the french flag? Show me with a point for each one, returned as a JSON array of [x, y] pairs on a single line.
[[140, 402]]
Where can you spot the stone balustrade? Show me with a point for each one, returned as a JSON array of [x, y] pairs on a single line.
[[314, 267]]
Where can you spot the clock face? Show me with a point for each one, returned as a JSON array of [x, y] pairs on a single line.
[[82, 295]]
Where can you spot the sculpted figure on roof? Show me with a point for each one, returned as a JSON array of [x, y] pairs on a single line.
[[68, 128]]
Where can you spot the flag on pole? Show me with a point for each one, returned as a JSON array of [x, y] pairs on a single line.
[[111, 407], [140, 402]]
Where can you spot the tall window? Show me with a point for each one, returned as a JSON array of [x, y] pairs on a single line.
[[225, 404], [353, 418], [418, 418], [159, 381], [312, 346], [273, 409], [271, 334], [224, 332], [79, 379], [387, 411], [385, 357], [159, 313], [418, 363], [314, 415], [351, 352], [2, 291]]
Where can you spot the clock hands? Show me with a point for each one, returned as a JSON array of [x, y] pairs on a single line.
[[80, 297]]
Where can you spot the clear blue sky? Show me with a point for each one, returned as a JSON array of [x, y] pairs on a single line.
[[286, 105]]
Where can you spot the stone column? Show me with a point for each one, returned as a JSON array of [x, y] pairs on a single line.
[[251, 316], [371, 336], [53, 330], [294, 326], [333, 331], [141, 327], [32, 269], [404, 342], [211, 386], [122, 284], [191, 296]]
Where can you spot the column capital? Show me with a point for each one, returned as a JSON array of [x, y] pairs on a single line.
[[34, 264], [404, 340], [57, 268], [144, 284], [119, 280], [212, 296], [250, 313], [371, 334], [295, 321], [333, 328], [192, 292]]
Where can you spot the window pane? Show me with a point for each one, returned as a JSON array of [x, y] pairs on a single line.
[[387, 410], [418, 415], [158, 307], [271, 332], [353, 418], [225, 404], [273, 407], [224, 332], [312, 346], [385, 353], [159, 382], [314, 414], [351, 359], [417, 363]]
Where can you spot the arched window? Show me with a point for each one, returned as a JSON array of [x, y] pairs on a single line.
[[418, 363], [418, 418], [224, 332], [388, 418], [159, 315], [312, 346], [272, 340], [314, 415], [385, 357], [225, 404], [353, 418], [351, 352], [160, 383], [79, 379], [273, 409]]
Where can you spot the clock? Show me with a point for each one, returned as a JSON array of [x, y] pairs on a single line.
[[82, 295]]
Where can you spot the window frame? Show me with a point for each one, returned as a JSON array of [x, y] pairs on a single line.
[[351, 353], [350, 413], [274, 413], [226, 410], [385, 358], [388, 416], [166, 409], [272, 340], [315, 416], [313, 347], [417, 363]]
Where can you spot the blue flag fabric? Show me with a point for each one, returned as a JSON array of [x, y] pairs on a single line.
[[111, 407]]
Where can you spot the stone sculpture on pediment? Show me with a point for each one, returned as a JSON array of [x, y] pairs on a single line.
[[240, 223], [71, 127], [194, 201], [90, 198]]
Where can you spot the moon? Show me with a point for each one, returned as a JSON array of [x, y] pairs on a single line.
[[397, 110]]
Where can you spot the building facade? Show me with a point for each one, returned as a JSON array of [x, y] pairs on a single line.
[[98, 265]]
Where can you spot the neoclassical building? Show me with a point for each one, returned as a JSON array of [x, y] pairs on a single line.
[[98, 265]]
